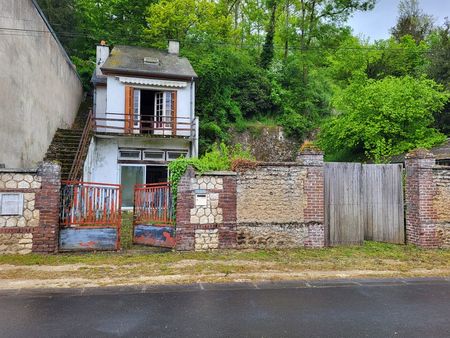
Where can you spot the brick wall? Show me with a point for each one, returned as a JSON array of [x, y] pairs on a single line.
[[35, 227], [427, 201]]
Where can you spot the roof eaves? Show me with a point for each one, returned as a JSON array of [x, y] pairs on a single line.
[[119, 71]]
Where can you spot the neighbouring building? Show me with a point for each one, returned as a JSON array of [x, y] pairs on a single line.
[[441, 153], [40, 90], [144, 113]]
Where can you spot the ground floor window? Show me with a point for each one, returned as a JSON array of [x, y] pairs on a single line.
[[133, 174]]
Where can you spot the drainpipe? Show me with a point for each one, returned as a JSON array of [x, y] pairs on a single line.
[[194, 144]]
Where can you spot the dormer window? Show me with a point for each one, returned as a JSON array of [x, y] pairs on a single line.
[[151, 61]]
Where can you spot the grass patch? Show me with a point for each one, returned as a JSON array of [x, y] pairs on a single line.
[[346, 256]]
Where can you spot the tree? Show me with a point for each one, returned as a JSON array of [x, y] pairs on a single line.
[[412, 21], [383, 118], [187, 21], [439, 69], [267, 52]]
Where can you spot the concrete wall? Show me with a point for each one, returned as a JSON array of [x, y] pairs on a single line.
[[39, 88]]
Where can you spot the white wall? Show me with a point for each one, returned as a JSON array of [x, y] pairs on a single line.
[[102, 165], [115, 93], [39, 88]]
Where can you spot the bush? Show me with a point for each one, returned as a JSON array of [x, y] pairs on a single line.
[[219, 157]]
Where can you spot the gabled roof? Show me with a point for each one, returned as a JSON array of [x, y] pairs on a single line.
[[129, 60]]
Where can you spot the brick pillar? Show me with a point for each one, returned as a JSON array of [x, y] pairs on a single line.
[[314, 211], [45, 236], [185, 231], [227, 201], [420, 190]]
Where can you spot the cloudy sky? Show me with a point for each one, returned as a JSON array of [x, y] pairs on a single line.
[[375, 24]]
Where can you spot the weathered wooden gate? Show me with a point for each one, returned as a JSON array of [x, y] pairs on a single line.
[[364, 201], [153, 218], [90, 216]]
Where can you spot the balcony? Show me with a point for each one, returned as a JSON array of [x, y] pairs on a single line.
[[152, 125]]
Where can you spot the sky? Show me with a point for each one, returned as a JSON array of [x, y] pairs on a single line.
[[375, 24]]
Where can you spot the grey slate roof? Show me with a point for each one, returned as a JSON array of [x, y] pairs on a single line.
[[130, 60]]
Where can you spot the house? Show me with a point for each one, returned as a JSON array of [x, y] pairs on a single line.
[[441, 152], [144, 104], [40, 90]]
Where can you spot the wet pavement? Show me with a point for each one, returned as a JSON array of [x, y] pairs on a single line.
[[339, 308]]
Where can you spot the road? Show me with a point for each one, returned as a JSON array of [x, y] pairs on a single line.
[[365, 308]]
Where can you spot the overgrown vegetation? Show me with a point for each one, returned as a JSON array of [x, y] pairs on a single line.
[[294, 62], [219, 157]]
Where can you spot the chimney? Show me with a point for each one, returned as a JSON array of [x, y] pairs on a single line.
[[174, 47], [102, 53]]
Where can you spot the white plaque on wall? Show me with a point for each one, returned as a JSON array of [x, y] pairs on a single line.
[[200, 200], [11, 204]]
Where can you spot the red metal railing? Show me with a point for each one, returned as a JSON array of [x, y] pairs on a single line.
[[90, 204], [144, 124], [77, 165], [153, 204]]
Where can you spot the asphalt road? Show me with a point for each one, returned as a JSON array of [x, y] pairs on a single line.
[[392, 308]]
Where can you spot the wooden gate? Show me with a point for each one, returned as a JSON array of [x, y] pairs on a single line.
[[364, 201], [153, 219]]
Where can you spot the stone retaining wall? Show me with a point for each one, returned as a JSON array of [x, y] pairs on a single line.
[[441, 203], [33, 227]]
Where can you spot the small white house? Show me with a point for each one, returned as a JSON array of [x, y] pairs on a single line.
[[144, 104]]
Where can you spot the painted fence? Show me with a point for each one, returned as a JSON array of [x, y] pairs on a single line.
[[90, 216], [364, 201], [153, 220]]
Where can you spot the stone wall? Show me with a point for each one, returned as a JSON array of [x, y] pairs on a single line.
[[206, 211], [427, 201], [280, 205], [274, 205], [34, 226], [441, 203]]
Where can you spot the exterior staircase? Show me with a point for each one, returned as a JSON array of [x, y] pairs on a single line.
[[69, 146]]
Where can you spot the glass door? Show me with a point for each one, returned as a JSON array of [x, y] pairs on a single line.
[[129, 176]]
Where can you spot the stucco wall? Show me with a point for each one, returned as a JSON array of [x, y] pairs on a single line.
[[102, 160], [115, 92], [441, 204], [39, 88]]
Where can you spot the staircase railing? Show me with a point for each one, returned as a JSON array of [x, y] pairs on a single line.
[[75, 170]]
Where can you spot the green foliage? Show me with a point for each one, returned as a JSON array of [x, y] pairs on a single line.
[[219, 157], [382, 118]]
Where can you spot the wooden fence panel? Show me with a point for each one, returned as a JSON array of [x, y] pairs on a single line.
[[364, 202], [343, 203], [382, 201]]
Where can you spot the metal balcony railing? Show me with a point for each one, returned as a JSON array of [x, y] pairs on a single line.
[[118, 123]]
